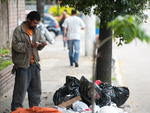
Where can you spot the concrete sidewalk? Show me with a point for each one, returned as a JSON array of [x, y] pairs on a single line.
[[54, 69]]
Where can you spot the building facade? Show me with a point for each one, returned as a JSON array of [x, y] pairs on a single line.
[[11, 13]]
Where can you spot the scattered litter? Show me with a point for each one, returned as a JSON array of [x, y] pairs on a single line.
[[80, 106], [111, 109], [76, 96], [104, 93]]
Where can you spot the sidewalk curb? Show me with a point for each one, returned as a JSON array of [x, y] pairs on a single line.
[[118, 72]]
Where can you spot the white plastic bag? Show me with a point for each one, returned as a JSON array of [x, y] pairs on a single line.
[[111, 109], [80, 106]]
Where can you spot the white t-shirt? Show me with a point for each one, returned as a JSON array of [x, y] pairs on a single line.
[[73, 25]]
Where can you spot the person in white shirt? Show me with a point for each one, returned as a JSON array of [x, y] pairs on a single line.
[[72, 27]]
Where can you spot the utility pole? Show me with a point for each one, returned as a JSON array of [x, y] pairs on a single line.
[[90, 34]]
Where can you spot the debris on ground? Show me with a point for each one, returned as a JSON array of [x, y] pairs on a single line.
[[84, 96], [106, 97]]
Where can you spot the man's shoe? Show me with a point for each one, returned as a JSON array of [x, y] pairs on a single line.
[[76, 65], [71, 64]]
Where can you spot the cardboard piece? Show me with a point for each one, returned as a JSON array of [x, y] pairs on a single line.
[[69, 102]]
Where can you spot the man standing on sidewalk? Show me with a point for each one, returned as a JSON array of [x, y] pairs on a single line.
[[72, 27], [26, 42]]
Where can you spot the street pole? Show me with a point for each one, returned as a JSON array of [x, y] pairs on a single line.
[[90, 34]]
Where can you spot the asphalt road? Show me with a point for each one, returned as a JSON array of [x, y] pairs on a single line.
[[134, 71]]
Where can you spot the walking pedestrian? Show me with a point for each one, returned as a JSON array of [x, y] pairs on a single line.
[[64, 16], [72, 27], [26, 42]]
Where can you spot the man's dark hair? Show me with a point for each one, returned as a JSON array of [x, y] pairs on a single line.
[[73, 12], [33, 15]]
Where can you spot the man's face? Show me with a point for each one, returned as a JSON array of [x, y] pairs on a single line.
[[33, 23]]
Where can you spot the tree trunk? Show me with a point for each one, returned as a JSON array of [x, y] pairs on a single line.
[[103, 64], [40, 8]]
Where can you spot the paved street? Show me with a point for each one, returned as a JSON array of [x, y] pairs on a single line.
[[134, 64], [134, 69]]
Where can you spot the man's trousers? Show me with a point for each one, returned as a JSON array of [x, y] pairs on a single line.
[[27, 80]]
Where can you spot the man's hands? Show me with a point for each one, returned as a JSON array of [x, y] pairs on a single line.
[[38, 44], [65, 38]]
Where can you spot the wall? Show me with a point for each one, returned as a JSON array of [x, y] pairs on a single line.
[[3, 24], [11, 12], [16, 14]]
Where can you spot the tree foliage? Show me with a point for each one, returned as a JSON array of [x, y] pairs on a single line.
[[126, 28], [108, 8], [53, 10]]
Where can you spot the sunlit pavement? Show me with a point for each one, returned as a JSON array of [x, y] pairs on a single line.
[[134, 71]]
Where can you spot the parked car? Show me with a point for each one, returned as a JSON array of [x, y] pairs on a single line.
[[51, 24]]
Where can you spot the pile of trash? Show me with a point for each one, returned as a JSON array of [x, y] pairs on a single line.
[[84, 96]]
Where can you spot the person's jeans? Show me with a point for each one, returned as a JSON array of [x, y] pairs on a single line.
[[74, 50], [64, 41], [27, 80]]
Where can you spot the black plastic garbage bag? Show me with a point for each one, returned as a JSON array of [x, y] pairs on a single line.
[[68, 91], [121, 95], [86, 92], [107, 93], [118, 95]]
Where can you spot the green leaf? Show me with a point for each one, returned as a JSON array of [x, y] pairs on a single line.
[[127, 28]]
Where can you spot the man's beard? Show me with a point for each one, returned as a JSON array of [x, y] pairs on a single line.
[[31, 27]]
